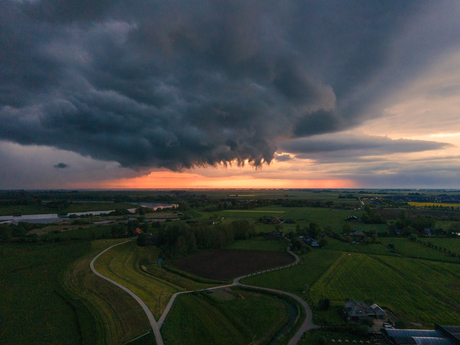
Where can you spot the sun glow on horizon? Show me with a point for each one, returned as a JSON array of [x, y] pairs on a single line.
[[169, 179]]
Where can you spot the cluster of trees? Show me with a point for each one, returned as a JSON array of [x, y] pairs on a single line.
[[313, 230], [417, 223], [184, 239], [372, 216], [126, 230], [9, 232]]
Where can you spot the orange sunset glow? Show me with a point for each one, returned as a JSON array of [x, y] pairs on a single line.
[[167, 179]]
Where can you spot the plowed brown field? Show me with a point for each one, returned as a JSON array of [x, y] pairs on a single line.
[[231, 263]]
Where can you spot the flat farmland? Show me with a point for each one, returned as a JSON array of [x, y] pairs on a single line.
[[406, 286], [323, 216], [430, 204], [231, 263], [224, 317], [298, 278], [252, 214], [261, 243], [359, 248], [303, 216], [31, 308], [452, 244], [405, 247], [436, 278]]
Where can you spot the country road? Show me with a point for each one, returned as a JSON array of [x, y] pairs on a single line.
[[306, 325]]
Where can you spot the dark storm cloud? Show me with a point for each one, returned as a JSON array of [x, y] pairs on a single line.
[[355, 148], [177, 84], [61, 166], [367, 144]]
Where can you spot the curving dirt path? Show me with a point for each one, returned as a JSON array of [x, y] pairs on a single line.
[[306, 325]]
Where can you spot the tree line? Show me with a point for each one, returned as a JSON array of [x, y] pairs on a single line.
[[184, 239]]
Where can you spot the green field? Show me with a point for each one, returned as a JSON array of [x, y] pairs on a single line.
[[302, 215], [85, 233], [357, 247], [298, 278], [118, 317], [33, 306], [123, 264], [452, 244], [403, 285], [260, 243], [224, 317], [402, 247], [405, 247]]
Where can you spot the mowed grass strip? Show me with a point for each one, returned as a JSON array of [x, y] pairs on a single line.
[[223, 264], [298, 278], [120, 264], [119, 318], [148, 263], [362, 277], [205, 319]]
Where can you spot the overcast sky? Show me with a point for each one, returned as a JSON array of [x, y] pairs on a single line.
[[177, 94]]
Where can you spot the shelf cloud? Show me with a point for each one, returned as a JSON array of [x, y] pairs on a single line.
[[179, 84]]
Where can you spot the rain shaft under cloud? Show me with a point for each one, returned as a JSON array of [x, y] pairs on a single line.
[[179, 84]]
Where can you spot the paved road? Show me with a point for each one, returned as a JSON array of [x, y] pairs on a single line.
[[306, 325], [153, 323]]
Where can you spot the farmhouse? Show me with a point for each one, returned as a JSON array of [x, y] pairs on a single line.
[[379, 313], [441, 335], [310, 241], [349, 218], [359, 311]]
